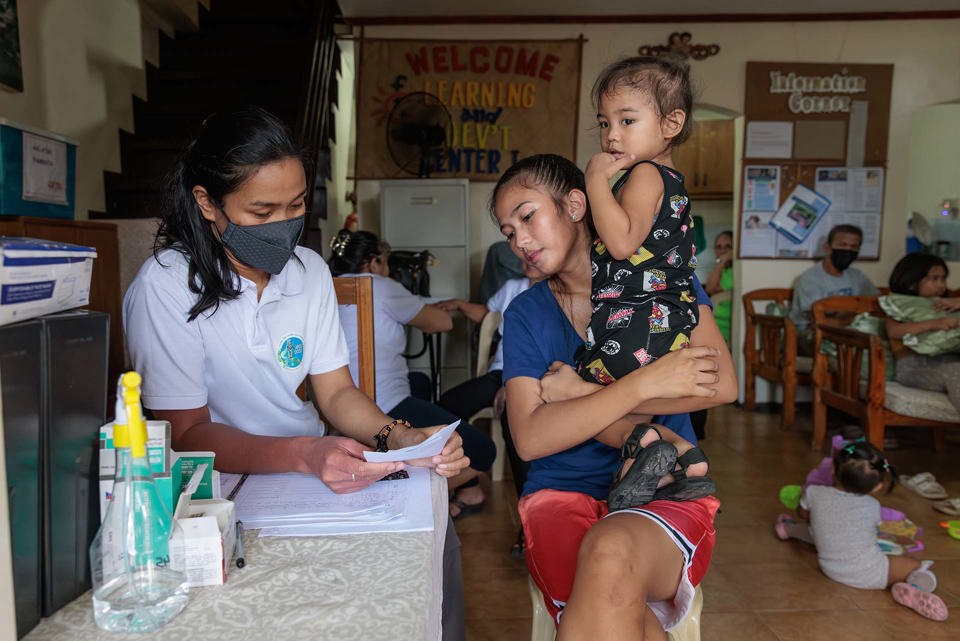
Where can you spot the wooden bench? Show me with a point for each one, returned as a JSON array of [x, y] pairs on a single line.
[[840, 382], [770, 351]]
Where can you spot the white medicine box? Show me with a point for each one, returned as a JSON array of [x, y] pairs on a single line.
[[40, 277], [205, 529]]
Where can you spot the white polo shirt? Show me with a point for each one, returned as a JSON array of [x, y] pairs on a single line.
[[393, 308], [499, 303], [244, 360]]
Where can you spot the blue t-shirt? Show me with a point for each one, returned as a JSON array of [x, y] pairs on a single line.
[[537, 333]]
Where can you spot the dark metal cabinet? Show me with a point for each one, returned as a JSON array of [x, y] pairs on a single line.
[[54, 385]]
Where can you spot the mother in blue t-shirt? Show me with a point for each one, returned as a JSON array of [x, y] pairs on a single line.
[[637, 569]]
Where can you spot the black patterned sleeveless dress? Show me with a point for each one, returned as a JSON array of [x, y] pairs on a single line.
[[643, 306]]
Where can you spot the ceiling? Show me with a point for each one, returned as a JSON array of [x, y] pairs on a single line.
[[406, 10]]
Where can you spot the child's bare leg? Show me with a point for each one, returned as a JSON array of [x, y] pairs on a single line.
[[616, 434], [683, 446], [899, 568]]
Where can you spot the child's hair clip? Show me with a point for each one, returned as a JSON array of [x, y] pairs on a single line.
[[339, 242]]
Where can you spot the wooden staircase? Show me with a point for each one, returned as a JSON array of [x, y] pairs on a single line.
[[244, 52]]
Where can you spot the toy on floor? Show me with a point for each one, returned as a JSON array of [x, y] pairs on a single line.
[[896, 534], [953, 528]]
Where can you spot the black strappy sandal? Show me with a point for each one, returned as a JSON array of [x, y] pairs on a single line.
[[639, 484], [687, 488]]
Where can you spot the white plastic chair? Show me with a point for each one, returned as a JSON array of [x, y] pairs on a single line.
[[488, 328], [543, 629]]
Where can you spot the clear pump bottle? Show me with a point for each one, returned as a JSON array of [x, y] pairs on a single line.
[[135, 588]]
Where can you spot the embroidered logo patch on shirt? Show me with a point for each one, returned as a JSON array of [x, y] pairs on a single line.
[[290, 354]]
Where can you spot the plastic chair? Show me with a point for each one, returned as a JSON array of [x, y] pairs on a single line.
[[488, 328], [543, 628]]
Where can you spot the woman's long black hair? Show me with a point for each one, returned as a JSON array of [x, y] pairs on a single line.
[[230, 148], [911, 269], [352, 250]]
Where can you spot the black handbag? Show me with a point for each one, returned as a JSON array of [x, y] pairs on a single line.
[[409, 268]]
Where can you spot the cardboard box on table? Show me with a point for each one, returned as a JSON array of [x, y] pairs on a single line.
[[202, 520]]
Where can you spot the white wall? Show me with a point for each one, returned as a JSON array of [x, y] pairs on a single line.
[[342, 152], [924, 52], [935, 169], [82, 65]]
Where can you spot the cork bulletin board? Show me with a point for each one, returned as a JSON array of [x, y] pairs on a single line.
[[814, 156]]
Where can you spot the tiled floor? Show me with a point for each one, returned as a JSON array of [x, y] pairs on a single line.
[[758, 587]]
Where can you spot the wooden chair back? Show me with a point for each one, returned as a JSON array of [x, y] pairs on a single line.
[[358, 290], [770, 350], [840, 381]]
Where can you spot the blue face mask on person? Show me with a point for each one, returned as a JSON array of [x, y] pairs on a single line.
[[267, 246]]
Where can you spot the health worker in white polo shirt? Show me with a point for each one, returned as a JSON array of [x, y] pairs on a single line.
[[229, 316]]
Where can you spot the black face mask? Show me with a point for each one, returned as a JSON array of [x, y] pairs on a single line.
[[267, 246], [842, 258]]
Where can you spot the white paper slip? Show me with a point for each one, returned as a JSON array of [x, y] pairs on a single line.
[[425, 449]]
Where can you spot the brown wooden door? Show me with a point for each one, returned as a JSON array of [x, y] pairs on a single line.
[[715, 162], [686, 158]]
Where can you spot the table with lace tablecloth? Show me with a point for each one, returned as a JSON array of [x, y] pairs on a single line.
[[348, 587]]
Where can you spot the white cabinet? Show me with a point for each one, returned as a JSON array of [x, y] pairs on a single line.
[[432, 214]]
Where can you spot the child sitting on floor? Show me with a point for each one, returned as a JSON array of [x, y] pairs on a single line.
[[843, 523]]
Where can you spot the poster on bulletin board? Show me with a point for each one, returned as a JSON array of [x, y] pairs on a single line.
[[815, 149], [504, 100], [798, 227]]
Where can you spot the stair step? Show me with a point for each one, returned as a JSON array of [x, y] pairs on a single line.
[[133, 204], [237, 73], [204, 100], [246, 52], [151, 164], [211, 59], [133, 142], [254, 9]]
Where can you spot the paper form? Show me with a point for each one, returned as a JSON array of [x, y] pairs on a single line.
[[424, 449]]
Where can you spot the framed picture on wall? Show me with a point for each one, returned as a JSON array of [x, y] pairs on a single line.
[[11, 72]]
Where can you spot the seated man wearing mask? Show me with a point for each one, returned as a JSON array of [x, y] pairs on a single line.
[[831, 276]]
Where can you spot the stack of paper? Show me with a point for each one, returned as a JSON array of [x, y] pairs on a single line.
[[301, 505]]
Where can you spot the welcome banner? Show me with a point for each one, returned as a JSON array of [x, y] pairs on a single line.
[[503, 99]]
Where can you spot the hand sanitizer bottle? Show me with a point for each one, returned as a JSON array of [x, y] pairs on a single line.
[[134, 587]]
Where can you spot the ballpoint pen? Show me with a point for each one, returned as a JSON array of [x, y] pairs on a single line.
[[240, 560]]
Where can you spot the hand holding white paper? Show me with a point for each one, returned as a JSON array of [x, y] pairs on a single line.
[[424, 449]]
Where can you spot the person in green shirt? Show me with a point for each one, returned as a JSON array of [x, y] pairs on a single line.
[[719, 285]]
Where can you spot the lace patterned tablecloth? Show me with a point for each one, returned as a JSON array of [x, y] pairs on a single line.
[[339, 588]]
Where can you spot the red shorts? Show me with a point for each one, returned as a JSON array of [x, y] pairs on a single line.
[[555, 522]]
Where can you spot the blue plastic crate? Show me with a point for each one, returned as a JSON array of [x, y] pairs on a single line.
[[12, 202]]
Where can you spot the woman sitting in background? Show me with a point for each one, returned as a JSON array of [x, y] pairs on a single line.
[[719, 285], [362, 253], [925, 276]]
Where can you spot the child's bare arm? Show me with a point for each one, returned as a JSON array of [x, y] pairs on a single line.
[[624, 225], [898, 330]]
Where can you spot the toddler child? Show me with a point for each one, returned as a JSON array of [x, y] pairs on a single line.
[[843, 522], [643, 260], [642, 263]]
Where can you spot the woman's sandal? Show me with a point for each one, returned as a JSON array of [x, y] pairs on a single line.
[[638, 484], [687, 488]]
